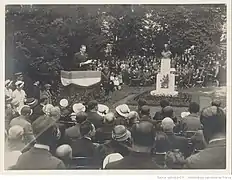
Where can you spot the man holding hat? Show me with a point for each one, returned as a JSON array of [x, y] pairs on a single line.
[[19, 95]]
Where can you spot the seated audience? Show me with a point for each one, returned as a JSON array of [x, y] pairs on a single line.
[[120, 142], [145, 114], [105, 132], [24, 121], [122, 111], [132, 118], [141, 102], [159, 115], [214, 155], [84, 146], [16, 138], [39, 157], [140, 157], [174, 142], [168, 112], [192, 121], [73, 132], [93, 115]]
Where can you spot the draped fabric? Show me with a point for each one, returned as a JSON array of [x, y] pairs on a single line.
[[80, 78]]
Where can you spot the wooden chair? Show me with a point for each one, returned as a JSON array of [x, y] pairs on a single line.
[[85, 163]]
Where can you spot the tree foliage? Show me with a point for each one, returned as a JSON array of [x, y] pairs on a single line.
[[44, 39]]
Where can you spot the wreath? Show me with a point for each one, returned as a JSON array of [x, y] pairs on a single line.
[[165, 81]]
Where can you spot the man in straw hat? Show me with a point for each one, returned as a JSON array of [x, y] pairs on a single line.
[[140, 157], [122, 111], [39, 156]]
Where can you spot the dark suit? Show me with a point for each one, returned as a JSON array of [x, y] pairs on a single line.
[[191, 123], [212, 157], [38, 159], [37, 112], [134, 161], [83, 147], [113, 146], [104, 133], [72, 133], [158, 115], [95, 119], [177, 142]]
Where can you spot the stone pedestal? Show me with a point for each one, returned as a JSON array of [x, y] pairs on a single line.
[[165, 80]]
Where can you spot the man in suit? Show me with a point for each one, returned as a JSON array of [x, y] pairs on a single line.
[[174, 142], [140, 157], [84, 146], [214, 155], [39, 156], [105, 133], [159, 115], [73, 132], [80, 59], [93, 116], [192, 121]]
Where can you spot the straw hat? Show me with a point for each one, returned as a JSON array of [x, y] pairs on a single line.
[[123, 110], [184, 114], [102, 109], [25, 106], [64, 103], [79, 107], [112, 158], [19, 83], [8, 82]]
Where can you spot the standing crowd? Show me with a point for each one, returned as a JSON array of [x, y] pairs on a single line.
[[42, 135]]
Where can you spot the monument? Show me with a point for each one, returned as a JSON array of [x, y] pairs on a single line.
[[165, 79]]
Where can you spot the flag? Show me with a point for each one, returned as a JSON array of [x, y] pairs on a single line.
[[80, 78]]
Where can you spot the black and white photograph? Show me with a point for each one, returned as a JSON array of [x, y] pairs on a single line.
[[115, 87]]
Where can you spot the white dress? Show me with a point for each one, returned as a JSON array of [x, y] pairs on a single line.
[[8, 92], [18, 97]]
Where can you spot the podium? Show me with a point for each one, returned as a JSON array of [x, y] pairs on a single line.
[[165, 80]]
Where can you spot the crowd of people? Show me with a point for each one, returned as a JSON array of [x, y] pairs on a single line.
[[42, 135], [142, 71]]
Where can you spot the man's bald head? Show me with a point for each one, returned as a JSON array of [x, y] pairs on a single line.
[[64, 151]]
